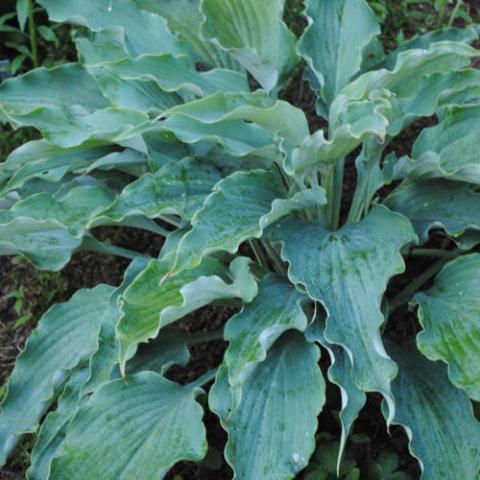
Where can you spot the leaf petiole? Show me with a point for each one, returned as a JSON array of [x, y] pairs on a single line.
[[33, 34], [204, 337], [336, 202], [90, 243], [434, 252], [205, 378], [409, 291], [275, 258]]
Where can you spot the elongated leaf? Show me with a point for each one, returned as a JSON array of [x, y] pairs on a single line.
[[168, 349], [66, 115], [155, 300], [352, 125], [47, 230], [106, 439], [449, 34], [46, 244], [22, 13], [175, 74], [437, 204], [106, 45], [411, 67], [185, 18], [449, 314], [74, 210], [276, 309], [254, 34], [104, 364], [39, 159], [84, 381], [54, 426], [340, 373], [105, 359], [230, 215], [145, 32], [348, 271], [109, 124], [64, 86], [148, 82], [444, 434], [129, 160], [158, 356], [448, 150], [144, 95], [179, 188], [277, 117], [240, 208], [67, 334], [238, 138], [442, 89], [410, 74], [271, 433], [338, 31]]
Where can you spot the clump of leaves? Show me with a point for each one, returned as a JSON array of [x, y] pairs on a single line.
[[156, 127]]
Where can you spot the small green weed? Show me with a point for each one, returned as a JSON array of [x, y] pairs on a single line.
[[402, 19], [29, 39]]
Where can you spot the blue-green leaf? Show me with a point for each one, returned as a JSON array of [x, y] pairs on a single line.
[[66, 335], [155, 299], [53, 428], [414, 71], [145, 32], [66, 105], [450, 314], [411, 67], [169, 348], [451, 206], [333, 43], [84, 381], [351, 124], [449, 149], [47, 244], [449, 34], [444, 434], [271, 432], [340, 373], [347, 271], [178, 188], [173, 74], [185, 19], [73, 210], [41, 160], [254, 34], [240, 208], [132, 430], [275, 116], [276, 309]]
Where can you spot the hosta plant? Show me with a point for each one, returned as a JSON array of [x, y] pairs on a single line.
[[173, 122]]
